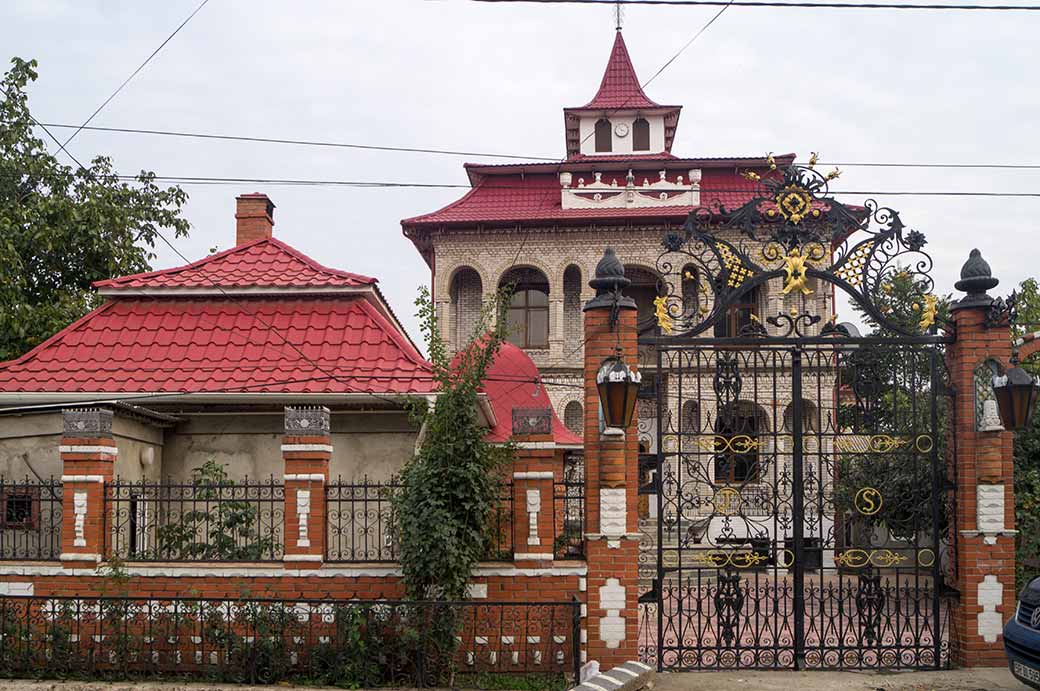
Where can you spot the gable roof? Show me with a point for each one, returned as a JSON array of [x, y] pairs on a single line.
[[264, 263], [182, 345]]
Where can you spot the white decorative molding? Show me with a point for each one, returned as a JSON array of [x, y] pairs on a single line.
[[477, 591], [536, 445], [612, 510], [630, 193], [990, 421], [79, 511], [303, 513], [612, 600], [12, 588], [534, 506], [304, 477], [990, 596], [989, 509], [235, 570], [302, 557], [103, 450], [78, 556], [82, 478], [327, 448], [533, 556], [533, 475]]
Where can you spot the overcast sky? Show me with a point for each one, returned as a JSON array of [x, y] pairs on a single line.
[[858, 86]]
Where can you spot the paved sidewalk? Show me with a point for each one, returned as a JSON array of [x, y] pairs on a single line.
[[995, 679]]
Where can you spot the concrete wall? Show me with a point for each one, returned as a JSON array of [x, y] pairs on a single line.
[[376, 444]]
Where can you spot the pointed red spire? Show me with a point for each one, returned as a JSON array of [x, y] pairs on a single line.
[[620, 86]]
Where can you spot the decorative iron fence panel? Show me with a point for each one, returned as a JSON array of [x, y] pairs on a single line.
[[30, 519], [359, 521], [225, 521], [347, 643], [569, 519]]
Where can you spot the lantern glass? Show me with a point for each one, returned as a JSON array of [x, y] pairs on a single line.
[[1016, 393], [618, 389]]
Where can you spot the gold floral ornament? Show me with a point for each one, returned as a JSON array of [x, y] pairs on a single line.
[[751, 175], [931, 306], [794, 203], [813, 159], [664, 319], [795, 278]]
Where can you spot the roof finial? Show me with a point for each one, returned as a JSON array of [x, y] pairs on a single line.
[[619, 15]]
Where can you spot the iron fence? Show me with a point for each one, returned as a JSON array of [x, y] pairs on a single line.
[[569, 519], [359, 521], [208, 521], [346, 643], [30, 519]]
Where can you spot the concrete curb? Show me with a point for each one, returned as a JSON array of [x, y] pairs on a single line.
[[631, 676]]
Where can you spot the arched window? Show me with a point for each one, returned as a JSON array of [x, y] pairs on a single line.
[[574, 418], [527, 318], [572, 318], [603, 135], [690, 286], [691, 417], [640, 135], [737, 431], [809, 422], [738, 315], [466, 294]]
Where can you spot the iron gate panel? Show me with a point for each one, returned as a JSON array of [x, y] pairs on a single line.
[[762, 561]]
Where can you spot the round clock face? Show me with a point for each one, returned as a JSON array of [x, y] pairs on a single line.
[[621, 129]]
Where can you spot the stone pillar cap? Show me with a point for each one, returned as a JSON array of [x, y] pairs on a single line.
[[976, 279], [609, 280], [87, 423], [306, 421]]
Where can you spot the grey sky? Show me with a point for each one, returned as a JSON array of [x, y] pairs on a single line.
[[854, 85]]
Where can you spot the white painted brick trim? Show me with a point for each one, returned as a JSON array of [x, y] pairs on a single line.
[[307, 447], [304, 477], [75, 556], [533, 556], [303, 557], [106, 450], [240, 570], [533, 475], [536, 445], [82, 478]]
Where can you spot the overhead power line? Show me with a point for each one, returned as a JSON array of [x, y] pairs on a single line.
[[946, 7], [133, 74], [485, 154]]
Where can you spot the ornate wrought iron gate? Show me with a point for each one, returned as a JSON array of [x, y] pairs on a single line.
[[801, 498]]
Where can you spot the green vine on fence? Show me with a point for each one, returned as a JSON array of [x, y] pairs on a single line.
[[451, 488]]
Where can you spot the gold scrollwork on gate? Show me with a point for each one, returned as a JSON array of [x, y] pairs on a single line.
[[882, 443], [868, 501], [727, 501], [737, 443], [858, 558], [721, 559], [738, 273]]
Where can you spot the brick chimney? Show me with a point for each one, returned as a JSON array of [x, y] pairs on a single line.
[[254, 217]]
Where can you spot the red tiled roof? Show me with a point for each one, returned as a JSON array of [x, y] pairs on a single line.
[[212, 345], [620, 85], [536, 197], [265, 263], [510, 384]]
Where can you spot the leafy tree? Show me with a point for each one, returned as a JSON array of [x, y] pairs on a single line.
[[1027, 449], [61, 228], [452, 486]]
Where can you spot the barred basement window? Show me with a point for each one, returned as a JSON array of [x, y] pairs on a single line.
[[19, 509]]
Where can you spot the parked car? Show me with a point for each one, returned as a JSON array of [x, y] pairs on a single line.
[[1022, 636]]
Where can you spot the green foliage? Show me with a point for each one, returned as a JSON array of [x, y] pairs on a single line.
[[1027, 450], [61, 228], [453, 484], [218, 528]]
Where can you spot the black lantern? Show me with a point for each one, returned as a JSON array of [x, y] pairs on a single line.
[[1016, 393], [618, 388]]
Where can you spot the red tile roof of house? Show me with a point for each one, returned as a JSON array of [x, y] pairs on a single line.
[[265, 263], [270, 345], [620, 87], [510, 384]]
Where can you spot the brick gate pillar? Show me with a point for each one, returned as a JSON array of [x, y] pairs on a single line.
[[88, 452], [533, 475], [611, 482], [306, 451], [982, 459]]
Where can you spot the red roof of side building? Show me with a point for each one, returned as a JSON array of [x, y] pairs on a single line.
[[510, 383], [265, 263], [183, 345]]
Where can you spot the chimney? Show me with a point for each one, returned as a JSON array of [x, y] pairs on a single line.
[[254, 217]]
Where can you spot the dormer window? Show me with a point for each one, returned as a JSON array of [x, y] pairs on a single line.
[[640, 135], [603, 136]]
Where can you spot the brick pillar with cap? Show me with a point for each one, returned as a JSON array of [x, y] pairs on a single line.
[[88, 453], [533, 474], [982, 460], [306, 451], [611, 479]]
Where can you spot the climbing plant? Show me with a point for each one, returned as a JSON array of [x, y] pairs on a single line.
[[452, 485]]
